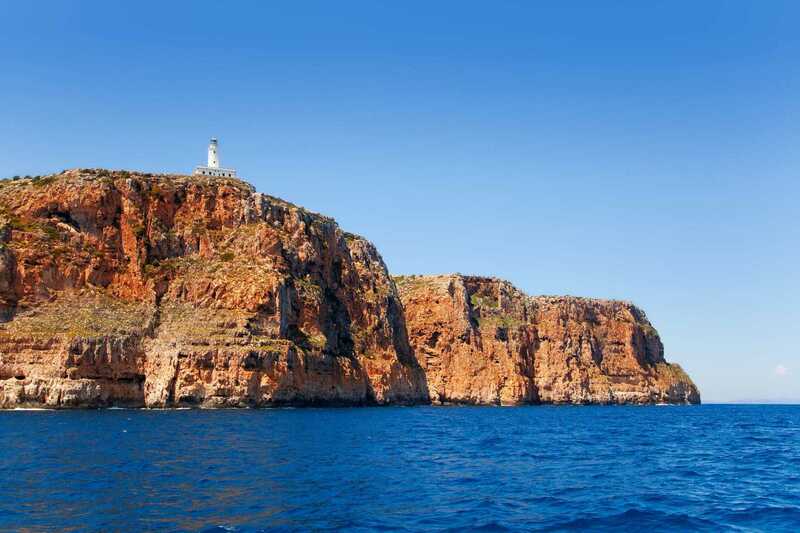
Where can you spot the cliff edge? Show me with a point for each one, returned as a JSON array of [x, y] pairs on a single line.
[[482, 341], [120, 288]]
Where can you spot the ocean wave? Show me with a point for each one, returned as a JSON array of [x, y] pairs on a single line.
[[415, 469]]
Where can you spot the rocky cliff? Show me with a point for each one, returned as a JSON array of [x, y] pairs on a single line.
[[482, 341], [121, 288], [160, 290]]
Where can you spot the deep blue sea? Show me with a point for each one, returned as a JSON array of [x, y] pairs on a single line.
[[712, 467]]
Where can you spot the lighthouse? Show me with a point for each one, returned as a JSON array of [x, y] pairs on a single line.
[[213, 160], [213, 168]]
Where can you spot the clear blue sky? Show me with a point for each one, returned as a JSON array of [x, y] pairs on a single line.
[[623, 149]]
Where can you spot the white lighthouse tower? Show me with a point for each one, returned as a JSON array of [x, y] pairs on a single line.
[[213, 160], [213, 168]]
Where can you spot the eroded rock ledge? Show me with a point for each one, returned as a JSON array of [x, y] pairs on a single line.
[[120, 288]]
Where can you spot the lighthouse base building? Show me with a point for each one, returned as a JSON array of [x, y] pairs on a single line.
[[213, 168]]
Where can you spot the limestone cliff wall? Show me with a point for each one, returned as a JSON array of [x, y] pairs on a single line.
[[482, 341], [159, 290], [121, 288]]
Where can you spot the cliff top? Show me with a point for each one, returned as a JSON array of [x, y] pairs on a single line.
[[86, 175], [444, 279], [79, 177]]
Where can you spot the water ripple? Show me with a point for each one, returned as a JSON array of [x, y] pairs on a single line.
[[707, 468]]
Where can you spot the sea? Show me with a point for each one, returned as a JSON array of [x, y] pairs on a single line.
[[559, 468]]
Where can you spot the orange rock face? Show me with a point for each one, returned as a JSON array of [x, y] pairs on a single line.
[[132, 289], [481, 341], [121, 288]]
